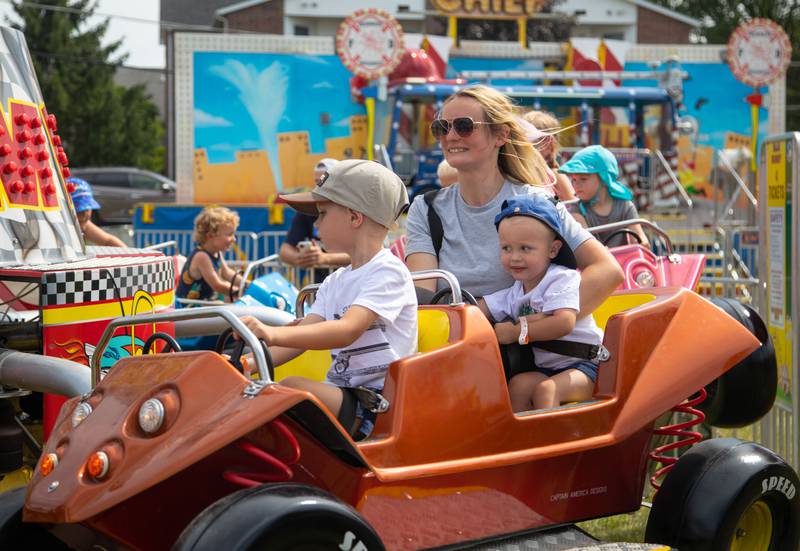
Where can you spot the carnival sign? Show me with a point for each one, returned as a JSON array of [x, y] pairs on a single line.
[[370, 43], [488, 8], [759, 52]]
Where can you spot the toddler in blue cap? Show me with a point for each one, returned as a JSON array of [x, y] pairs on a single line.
[[84, 202], [603, 199], [543, 306]]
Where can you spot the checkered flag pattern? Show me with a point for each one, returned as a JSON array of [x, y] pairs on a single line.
[[101, 284]]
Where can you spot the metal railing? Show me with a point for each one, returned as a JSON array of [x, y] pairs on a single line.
[[307, 293], [192, 313]]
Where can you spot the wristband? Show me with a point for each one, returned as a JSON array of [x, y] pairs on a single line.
[[523, 330]]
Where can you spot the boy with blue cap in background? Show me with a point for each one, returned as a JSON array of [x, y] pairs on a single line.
[[84, 203], [603, 200], [543, 305]]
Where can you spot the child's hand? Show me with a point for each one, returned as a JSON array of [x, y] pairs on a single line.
[[506, 332], [260, 330]]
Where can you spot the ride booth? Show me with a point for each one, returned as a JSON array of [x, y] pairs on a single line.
[[57, 295], [779, 192]]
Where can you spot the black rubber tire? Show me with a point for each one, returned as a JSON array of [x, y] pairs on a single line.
[[288, 517], [172, 344], [15, 534], [704, 497], [746, 392]]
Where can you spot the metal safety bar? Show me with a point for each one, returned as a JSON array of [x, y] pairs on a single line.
[[160, 246], [455, 288], [193, 313], [642, 222], [251, 266]]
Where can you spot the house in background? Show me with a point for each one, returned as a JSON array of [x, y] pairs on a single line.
[[637, 21]]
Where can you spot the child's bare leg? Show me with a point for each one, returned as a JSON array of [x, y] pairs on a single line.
[[520, 388], [330, 395], [568, 386]]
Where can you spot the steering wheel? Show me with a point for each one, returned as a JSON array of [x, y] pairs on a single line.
[[238, 289], [466, 295], [171, 343], [238, 349], [623, 231]]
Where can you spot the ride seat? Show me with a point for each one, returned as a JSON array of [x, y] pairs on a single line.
[[433, 331]]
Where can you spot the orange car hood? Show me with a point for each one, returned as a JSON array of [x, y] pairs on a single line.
[[212, 412]]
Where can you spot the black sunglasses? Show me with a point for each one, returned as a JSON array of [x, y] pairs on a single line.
[[464, 127]]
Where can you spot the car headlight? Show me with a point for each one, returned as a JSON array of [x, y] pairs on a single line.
[[645, 278], [80, 413], [151, 415]]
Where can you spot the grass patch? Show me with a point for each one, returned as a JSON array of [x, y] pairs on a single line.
[[628, 527]]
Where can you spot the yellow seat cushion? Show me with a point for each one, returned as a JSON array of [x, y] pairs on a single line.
[[433, 329], [618, 303]]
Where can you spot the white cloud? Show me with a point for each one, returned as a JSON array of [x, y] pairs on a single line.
[[207, 120]]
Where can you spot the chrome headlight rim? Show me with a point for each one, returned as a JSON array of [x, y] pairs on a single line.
[[151, 415], [80, 413]]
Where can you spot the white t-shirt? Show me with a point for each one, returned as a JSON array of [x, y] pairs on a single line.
[[470, 245], [558, 289], [384, 286]]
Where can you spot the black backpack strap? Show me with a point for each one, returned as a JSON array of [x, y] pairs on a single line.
[[434, 222], [581, 350]]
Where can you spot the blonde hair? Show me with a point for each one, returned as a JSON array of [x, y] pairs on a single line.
[[546, 122], [210, 220], [518, 161]]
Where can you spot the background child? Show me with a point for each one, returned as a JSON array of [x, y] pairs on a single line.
[[543, 302], [594, 172], [85, 203], [205, 275], [546, 142], [365, 313]]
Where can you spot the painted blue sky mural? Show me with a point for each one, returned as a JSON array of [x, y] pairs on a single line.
[[242, 100]]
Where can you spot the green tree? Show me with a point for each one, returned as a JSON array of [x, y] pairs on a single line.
[[100, 123], [723, 16]]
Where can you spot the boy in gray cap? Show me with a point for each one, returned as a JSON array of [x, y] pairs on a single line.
[[365, 313]]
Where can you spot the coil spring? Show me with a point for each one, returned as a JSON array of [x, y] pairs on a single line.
[[278, 470], [679, 430]]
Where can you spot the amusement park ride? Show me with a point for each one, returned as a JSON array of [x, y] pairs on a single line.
[[193, 450]]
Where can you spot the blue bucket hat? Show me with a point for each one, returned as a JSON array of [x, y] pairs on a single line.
[[544, 210], [596, 159], [82, 196]]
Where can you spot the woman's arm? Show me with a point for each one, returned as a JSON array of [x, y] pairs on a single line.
[[601, 274], [417, 262]]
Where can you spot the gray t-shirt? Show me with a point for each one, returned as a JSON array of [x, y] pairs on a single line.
[[620, 210], [471, 248]]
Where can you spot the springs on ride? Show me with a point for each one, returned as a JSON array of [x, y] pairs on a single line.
[[277, 470], [685, 437]]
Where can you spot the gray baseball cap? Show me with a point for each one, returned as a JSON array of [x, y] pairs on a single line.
[[364, 186]]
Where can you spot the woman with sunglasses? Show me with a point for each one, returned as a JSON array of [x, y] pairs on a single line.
[[481, 137]]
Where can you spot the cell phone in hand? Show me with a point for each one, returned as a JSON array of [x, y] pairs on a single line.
[[303, 245]]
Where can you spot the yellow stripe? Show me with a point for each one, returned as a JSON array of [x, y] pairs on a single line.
[[106, 310]]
